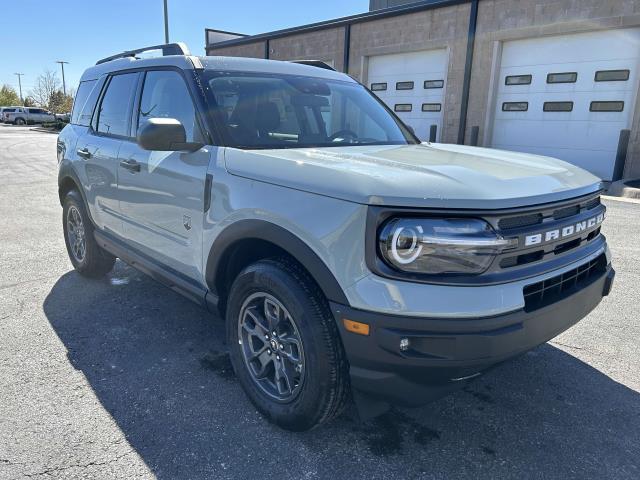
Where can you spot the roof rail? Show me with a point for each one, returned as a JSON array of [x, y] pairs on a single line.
[[315, 63], [167, 49]]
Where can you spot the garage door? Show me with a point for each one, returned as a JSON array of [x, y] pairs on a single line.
[[412, 84], [568, 96]]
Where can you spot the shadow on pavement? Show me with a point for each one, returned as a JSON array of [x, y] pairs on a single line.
[[157, 363]]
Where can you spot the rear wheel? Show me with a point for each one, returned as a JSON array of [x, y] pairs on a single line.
[[20, 121], [284, 345], [87, 257]]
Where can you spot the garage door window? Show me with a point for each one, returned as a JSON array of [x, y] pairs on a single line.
[[518, 80], [378, 87], [403, 107], [606, 106], [404, 86], [431, 107], [428, 84], [515, 106], [612, 76], [558, 106], [566, 77]]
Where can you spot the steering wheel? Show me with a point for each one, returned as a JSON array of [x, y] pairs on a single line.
[[344, 134]]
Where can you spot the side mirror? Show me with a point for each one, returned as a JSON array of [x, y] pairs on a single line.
[[165, 135]]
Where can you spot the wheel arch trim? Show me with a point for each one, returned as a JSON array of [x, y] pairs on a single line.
[[280, 237]]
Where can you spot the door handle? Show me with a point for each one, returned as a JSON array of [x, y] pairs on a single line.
[[84, 153], [130, 165]]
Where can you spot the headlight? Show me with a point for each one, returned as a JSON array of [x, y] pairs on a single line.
[[440, 246]]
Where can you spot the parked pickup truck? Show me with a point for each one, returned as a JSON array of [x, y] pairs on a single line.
[[28, 115], [348, 259]]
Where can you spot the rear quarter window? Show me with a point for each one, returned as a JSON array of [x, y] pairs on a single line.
[[84, 103]]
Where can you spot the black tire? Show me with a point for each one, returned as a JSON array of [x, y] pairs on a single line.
[[95, 261], [20, 121], [324, 391]]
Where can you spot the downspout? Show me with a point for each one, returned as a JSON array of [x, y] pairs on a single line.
[[346, 48], [471, 37]]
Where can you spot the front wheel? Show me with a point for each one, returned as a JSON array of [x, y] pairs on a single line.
[[87, 257], [284, 345]]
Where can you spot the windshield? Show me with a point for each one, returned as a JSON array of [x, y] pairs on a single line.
[[260, 111]]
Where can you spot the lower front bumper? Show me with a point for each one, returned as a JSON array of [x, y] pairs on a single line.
[[443, 352]]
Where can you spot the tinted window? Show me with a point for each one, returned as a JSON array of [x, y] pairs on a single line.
[[515, 106], [113, 117], [606, 106], [518, 80], [35, 110], [433, 84], [403, 107], [612, 76], [558, 106], [289, 111], [568, 77], [82, 95], [165, 95], [404, 86], [431, 107]]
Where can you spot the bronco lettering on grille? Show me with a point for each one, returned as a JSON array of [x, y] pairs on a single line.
[[558, 233]]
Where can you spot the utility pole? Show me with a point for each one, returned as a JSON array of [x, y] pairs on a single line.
[[20, 85], [166, 22], [64, 86]]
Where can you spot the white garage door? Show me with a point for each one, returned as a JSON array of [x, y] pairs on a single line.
[[412, 84], [568, 96]]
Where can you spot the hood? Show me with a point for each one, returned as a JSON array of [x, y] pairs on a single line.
[[427, 175]]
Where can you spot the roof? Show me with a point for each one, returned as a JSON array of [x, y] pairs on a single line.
[[237, 64]]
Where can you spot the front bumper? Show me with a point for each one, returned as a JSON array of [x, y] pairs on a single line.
[[444, 352]]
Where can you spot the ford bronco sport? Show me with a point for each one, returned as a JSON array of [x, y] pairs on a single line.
[[348, 259]]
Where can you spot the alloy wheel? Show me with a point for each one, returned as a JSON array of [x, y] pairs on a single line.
[[271, 346], [76, 234]]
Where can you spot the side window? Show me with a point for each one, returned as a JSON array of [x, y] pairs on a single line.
[[113, 116], [82, 95], [165, 95]]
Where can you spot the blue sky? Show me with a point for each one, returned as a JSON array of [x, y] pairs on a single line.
[[36, 33]]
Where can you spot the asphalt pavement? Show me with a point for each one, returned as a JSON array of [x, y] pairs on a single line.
[[122, 378]]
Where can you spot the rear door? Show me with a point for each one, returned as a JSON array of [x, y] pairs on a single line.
[[98, 149], [162, 193]]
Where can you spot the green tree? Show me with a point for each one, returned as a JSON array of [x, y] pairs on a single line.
[[8, 96]]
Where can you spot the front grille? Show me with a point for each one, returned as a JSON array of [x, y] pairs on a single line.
[[566, 212], [530, 219], [544, 293], [520, 221]]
